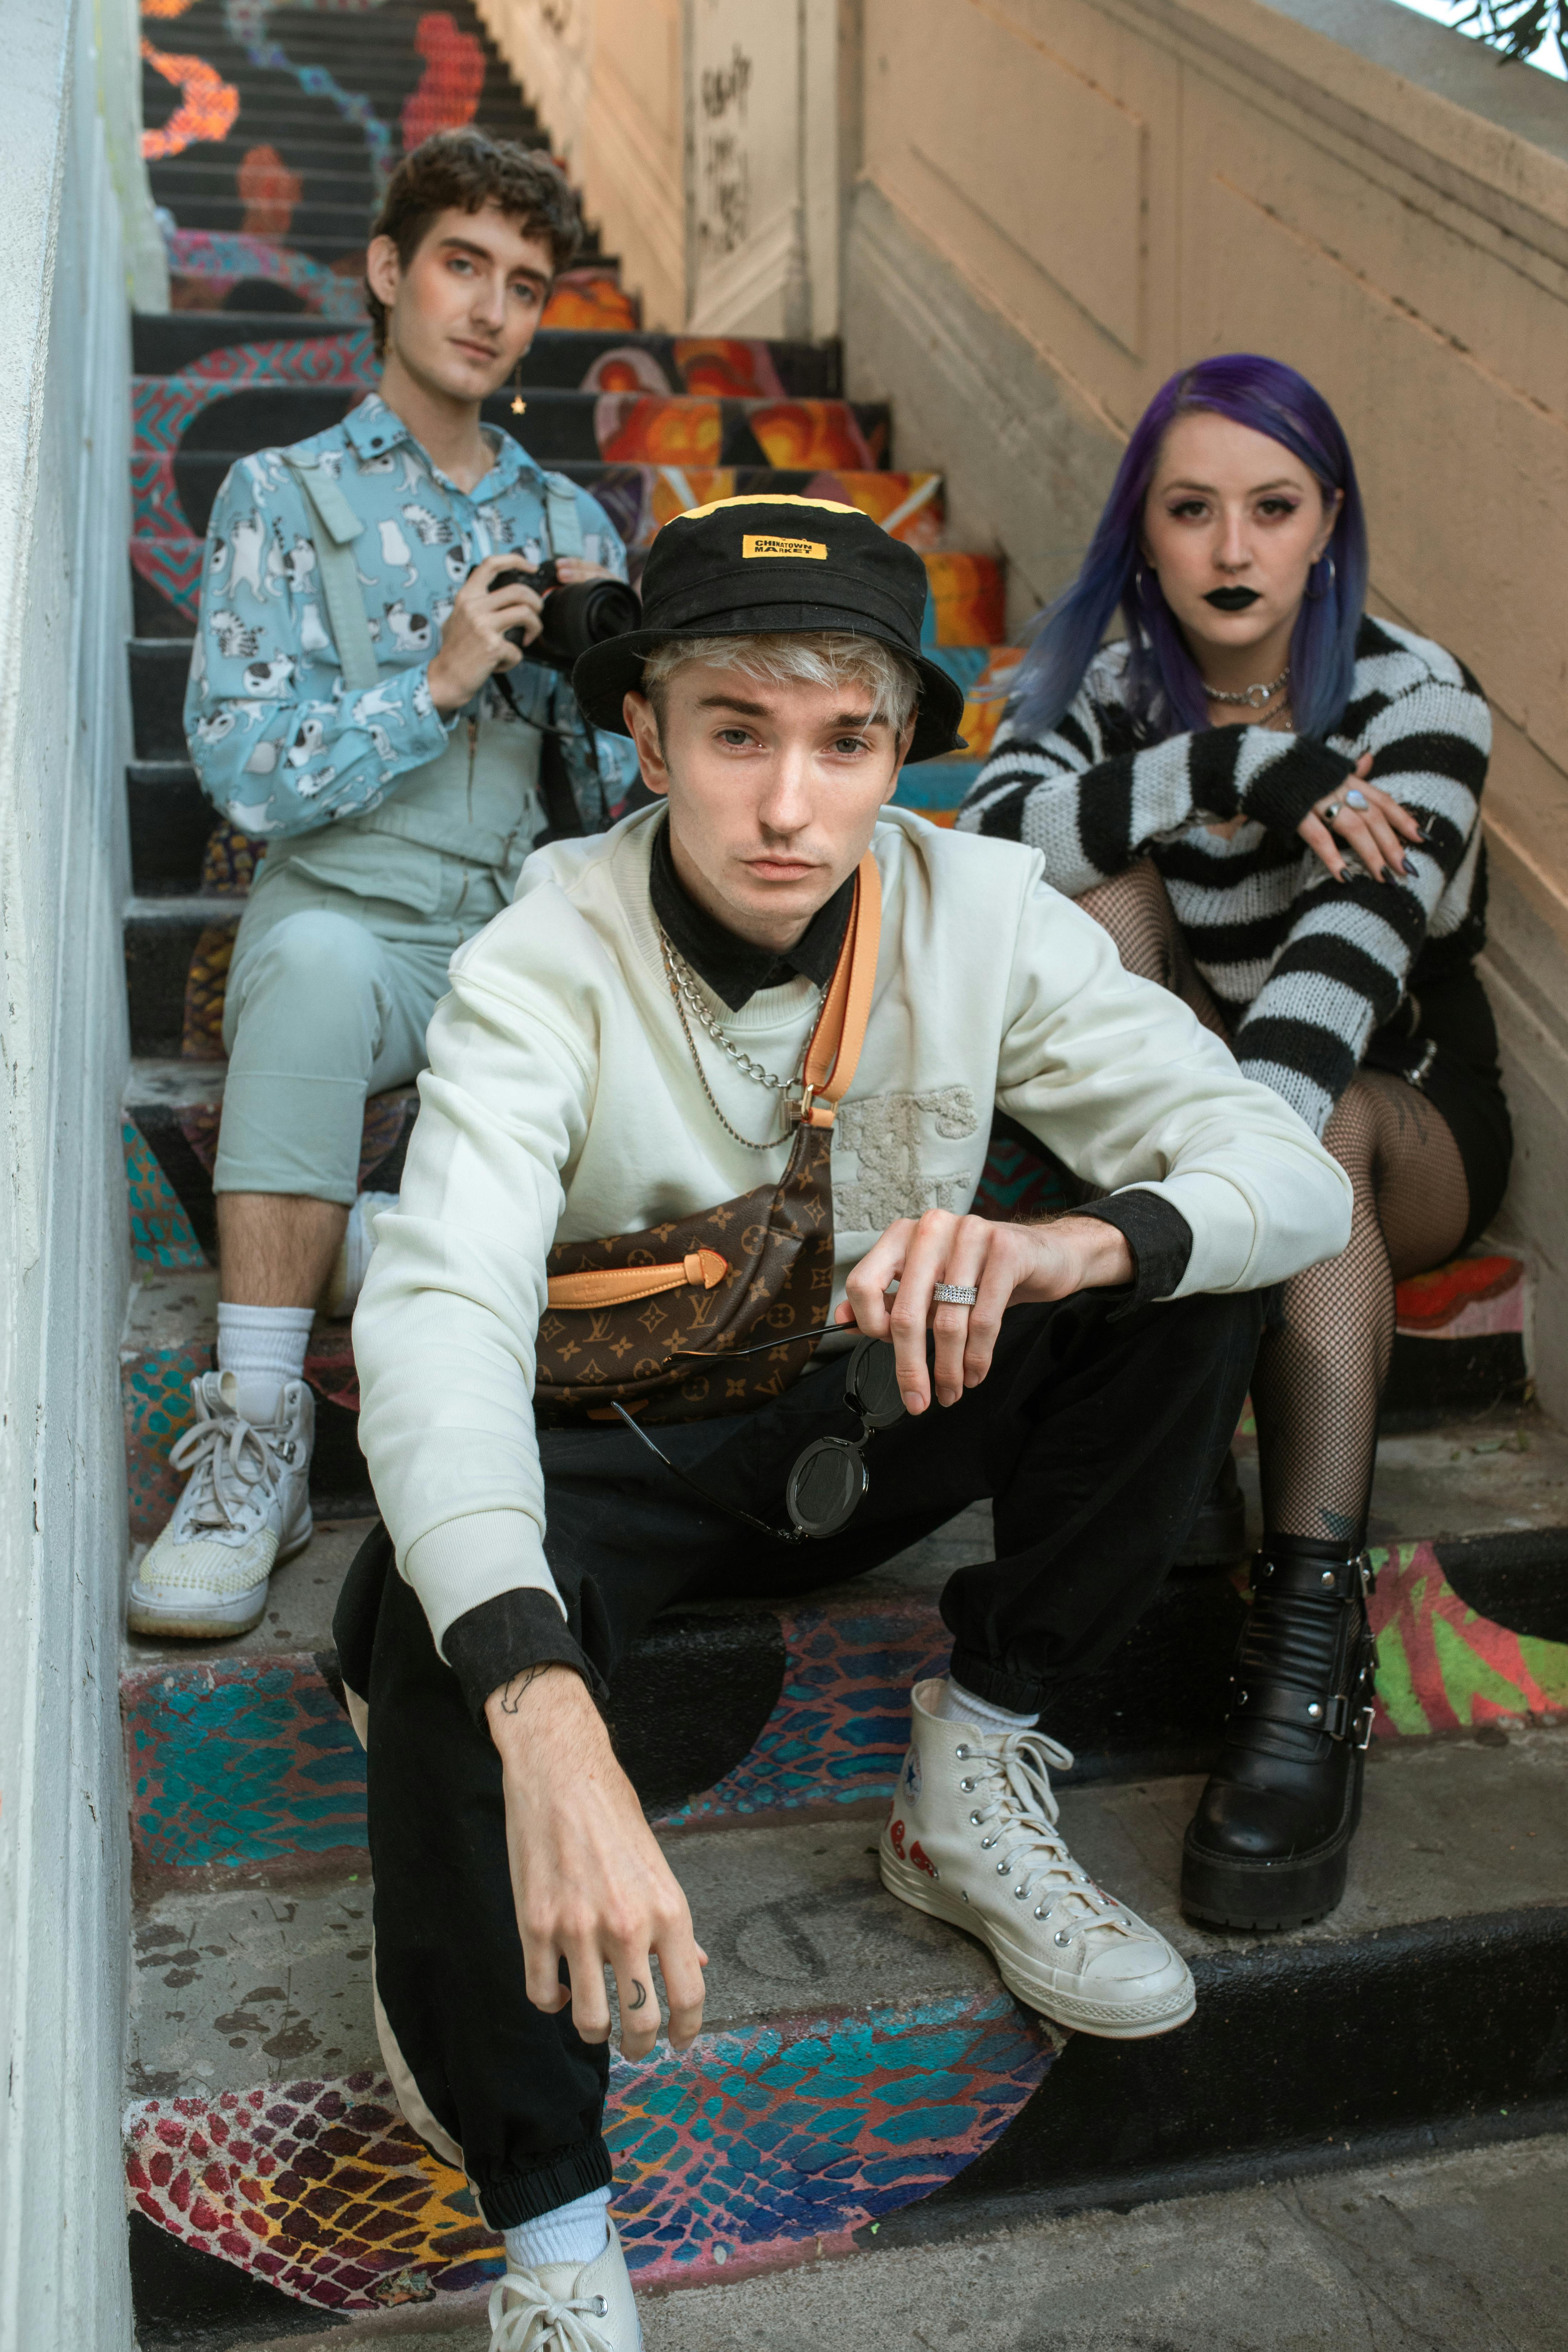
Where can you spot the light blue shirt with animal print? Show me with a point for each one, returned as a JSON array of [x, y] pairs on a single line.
[[281, 745]]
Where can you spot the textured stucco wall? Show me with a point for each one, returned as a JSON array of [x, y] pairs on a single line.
[[64, 736], [606, 77], [704, 136], [1062, 201]]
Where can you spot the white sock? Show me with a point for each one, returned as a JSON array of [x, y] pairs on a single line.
[[262, 1346], [577, 2233], [955, 1705]]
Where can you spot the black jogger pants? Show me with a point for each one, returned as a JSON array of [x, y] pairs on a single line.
[[1096, 1434]]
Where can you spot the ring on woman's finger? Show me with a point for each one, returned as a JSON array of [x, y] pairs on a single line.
[[1356, 799], [955, 1294], [1329, 813]]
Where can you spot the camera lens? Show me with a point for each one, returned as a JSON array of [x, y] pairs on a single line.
[[584, 615], [573, 618]]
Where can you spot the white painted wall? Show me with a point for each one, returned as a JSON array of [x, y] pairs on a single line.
[[763, 179], [77, 223], [705, 136]]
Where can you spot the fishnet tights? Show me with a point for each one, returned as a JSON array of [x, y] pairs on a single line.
[[1320, 1370]]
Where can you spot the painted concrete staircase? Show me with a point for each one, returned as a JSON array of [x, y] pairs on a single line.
[[864, 2077]]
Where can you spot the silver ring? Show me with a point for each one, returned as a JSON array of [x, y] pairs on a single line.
[[955, 1294], [1329, 813]]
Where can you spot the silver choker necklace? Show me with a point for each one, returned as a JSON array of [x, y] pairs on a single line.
[[1251, 697]]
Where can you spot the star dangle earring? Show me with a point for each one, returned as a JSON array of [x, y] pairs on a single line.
[[519, 406]]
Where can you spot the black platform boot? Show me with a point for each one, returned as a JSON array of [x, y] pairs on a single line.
[[1269, 1842]]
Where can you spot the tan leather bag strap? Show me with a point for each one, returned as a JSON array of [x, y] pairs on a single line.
[[618, 1285], [834, 1053]]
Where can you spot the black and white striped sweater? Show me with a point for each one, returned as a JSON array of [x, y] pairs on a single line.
[[1305, 969]]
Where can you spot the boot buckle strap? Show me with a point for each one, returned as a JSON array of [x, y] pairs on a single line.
[[1261, 1701], [1347, 1721], [1318, 1579]]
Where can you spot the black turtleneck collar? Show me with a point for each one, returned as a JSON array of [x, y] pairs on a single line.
[[732, 968]]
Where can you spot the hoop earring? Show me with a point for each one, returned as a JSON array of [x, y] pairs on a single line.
[[519, 406], [1317, 594]]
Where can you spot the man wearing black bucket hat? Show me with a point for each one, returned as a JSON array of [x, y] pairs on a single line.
[[683, 1298]]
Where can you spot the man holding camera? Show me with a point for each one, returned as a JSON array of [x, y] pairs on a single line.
[[364, 594]]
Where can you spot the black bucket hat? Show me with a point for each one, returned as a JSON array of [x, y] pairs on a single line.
[[775, 565]]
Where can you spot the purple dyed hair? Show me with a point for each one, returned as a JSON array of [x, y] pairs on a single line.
[[1162, 690]]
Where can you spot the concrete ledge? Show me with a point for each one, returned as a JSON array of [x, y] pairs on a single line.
[[1027, 463]]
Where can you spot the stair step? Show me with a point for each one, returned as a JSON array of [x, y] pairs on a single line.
[[324, 141], [186, 183], [176, 965], [173, 494], [240, 349], [387, 78], [1460, 1334], [206, 415], [169, 494], [862, 2066], [172, 1112], [809, 1712], [968, 597], [207, 271], [170, 1325]]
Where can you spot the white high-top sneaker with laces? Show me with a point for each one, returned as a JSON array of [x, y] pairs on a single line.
[[565, 2307], [973, 1839], [246, 1505]]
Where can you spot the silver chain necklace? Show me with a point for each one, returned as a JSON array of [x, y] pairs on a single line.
[[683, 988], [1251, 697]]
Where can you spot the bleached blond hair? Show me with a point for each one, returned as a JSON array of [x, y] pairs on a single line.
[[825, 658]]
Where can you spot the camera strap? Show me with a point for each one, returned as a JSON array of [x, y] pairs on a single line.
[[562, 522], [337, 528]]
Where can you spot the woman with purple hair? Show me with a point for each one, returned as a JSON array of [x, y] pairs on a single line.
[[1271, 799]]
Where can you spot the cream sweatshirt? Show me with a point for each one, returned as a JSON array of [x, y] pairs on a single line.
[[560, 1102]]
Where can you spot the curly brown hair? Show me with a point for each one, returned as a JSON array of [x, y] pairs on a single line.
[[459, 170]]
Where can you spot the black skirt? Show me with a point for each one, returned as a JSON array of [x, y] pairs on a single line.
[[1444, 1040]]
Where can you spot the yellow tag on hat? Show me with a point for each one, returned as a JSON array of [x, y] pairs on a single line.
[[758, 543]]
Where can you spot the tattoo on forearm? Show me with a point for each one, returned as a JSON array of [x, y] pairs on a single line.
[[639, 1994], [511, 1695]]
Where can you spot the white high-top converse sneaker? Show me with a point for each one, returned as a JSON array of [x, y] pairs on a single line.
[[560, 2307], [973, 1839], [246, 1505]]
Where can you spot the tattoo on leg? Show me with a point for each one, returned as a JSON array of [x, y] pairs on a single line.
[[639, 1994]]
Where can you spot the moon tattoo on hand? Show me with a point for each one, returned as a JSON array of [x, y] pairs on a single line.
[[639, 1994]]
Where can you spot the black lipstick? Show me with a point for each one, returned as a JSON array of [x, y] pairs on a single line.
[[1231, 600]]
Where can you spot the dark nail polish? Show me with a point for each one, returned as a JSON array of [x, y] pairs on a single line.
[[1389, 875], [1408, 867]]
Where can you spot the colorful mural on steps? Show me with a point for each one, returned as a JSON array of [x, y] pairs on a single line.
[[206, 264], [767, 2145], [761, 2146], [248, 1766], [208, 107], [269, 191]]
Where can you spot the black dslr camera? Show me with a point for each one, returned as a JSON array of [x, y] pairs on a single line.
[[574, 617]]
